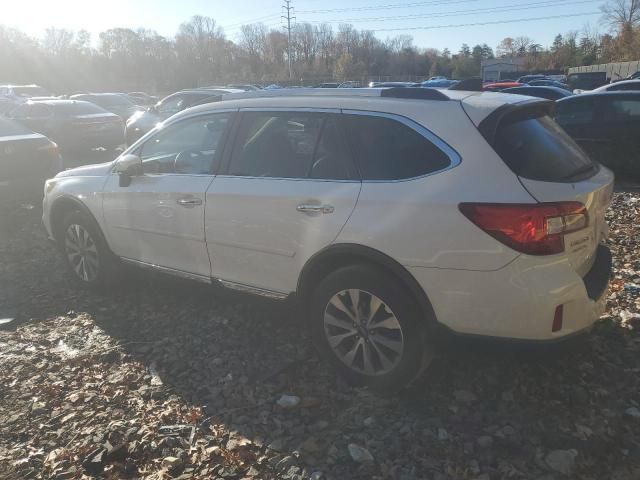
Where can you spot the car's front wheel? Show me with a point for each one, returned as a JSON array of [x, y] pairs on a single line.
[[84, 250], [369, 327]]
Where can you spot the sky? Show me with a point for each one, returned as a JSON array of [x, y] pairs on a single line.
[[449, 23]]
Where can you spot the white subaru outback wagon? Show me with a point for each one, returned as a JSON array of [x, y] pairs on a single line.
[[388, 212]]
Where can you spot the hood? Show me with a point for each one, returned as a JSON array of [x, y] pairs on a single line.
[[97, 170]]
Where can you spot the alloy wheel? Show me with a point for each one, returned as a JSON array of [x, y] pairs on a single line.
[[363, 332], [82, 252]]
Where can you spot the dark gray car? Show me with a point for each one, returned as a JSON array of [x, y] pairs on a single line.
[[117, 103], [76, 126], [142, 122]]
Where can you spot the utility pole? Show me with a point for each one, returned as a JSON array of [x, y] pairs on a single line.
[[288, 9]]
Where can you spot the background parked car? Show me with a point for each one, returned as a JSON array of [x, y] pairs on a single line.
[[117, 103], [245, 87], [550, 93], [76, 126], [143, 121], [13, 95], [441, 83], [529, 78], [586, 80], [329, 85], [27, 159], [623, 86], [607, 126], [393, 84], [142, 99], [545, 82], [499, 86]]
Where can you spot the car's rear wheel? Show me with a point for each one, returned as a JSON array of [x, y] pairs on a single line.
[[369, 327], [84, 250]]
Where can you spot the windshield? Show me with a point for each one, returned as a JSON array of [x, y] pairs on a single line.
[[31, 91]]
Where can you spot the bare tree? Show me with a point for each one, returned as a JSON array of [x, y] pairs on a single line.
[[621, 14]]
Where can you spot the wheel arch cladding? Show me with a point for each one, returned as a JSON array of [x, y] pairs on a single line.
[[336, 256]]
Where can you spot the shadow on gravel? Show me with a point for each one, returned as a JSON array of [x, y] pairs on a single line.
[[482, 407]]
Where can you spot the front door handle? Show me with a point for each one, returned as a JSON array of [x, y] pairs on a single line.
[[189, 202], [311, 208]]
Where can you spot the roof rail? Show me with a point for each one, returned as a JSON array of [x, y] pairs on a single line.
[[413, 93], [416, 93]]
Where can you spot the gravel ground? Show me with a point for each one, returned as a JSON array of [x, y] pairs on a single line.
[[160, 378]]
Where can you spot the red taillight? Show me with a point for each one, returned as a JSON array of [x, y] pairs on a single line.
[[535, 229]]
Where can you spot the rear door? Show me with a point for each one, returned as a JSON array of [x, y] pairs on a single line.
[[553, 168], [288, 190]]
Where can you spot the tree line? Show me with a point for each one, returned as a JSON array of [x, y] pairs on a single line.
[[200, 54]]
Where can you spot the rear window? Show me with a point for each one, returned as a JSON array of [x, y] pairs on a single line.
[[78, 108], [9, 128], [539, 149]]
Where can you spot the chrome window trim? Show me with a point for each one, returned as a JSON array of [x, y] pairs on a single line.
[[454, 157], [290, 109], [294, 179]]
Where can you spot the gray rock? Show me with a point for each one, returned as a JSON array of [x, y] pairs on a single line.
[[360, 454], [508, 430], [369, 421], [485, 441], [443, 434], [632, 412], [317, 475], [286, 463], [464, 396], [561, 461]]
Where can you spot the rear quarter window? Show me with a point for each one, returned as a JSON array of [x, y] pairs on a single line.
[[539, 149], [387, 149]]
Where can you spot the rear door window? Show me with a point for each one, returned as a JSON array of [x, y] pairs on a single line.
[[276, 144], [387, 149], [539, 149]]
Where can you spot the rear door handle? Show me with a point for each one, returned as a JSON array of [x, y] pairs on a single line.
[[311, 208], [189, 202]]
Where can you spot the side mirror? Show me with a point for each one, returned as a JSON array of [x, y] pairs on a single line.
[[127, 167]]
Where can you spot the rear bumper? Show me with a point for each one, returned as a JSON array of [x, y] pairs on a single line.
[[518, 302]]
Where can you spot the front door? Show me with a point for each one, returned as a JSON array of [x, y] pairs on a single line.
[[287, 192], [159, 218]]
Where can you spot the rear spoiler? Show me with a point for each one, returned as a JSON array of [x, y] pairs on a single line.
[[512, 112]]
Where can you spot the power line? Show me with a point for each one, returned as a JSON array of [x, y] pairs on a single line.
[[496, 22], [477, 11], [288, 8], [253, 20], [389, 6]]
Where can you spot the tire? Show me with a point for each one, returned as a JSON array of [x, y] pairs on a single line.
[[395, 340], [85, 251]]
